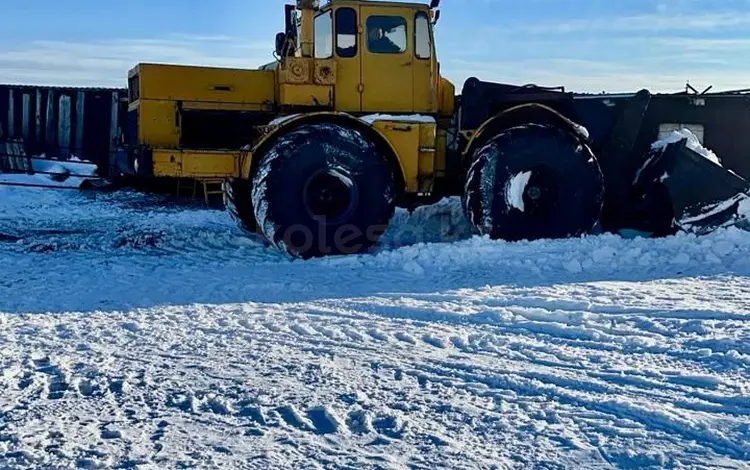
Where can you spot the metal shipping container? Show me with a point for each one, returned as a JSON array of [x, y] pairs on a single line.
[[61, 122]]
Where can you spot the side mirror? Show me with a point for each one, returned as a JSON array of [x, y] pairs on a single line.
[[436, 16], [280, 44], [434, 4]]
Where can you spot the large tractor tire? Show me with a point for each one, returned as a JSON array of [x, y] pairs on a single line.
[[533, 182], [237, 202], [323, 189]]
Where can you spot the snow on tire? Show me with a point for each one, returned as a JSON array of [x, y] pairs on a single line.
[[323, 189], [532, 182]]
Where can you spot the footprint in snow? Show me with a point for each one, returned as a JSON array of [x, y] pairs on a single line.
[[324, 421], [57, 383]]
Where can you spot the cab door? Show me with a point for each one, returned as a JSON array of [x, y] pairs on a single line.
[[425, 65], [348, 93], [387, 59]]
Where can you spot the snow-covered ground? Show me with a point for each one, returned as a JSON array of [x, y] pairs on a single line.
[[138, 335]]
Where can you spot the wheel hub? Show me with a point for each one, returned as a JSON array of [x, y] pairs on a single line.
[[541, 192], [330, 196], [533, 193]]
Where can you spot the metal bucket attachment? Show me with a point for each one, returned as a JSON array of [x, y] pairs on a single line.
[[698, 194]]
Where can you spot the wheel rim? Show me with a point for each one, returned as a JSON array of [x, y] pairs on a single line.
[[330, 196], [541, 194]]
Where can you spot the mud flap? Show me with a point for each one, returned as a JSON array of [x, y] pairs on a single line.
[[696, 194]]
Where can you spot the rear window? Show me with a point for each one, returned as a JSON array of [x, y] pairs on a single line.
[[422, 43]]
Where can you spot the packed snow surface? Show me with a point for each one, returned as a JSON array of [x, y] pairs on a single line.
[[138, 334]]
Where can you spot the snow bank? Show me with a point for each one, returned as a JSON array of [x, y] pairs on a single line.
[[602, 255], [692, 143], [436, 223]]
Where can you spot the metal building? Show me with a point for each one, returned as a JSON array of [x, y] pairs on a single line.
[[61, 122]]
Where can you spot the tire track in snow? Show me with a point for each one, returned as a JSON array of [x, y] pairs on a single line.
[[655, 420], [595, 399], [313, 333]]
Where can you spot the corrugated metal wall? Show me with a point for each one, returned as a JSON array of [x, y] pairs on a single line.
[[64, 121]]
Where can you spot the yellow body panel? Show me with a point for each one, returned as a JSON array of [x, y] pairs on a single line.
[[216, 106], [163, 90], [157, 123], [441, 149], [427, 157], [306, 95], [446, 98], [414, 145], [194, 163], [208, 84]]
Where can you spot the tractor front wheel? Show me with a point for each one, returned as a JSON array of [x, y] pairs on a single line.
[[236, 193], [532, 182], [323, 189]]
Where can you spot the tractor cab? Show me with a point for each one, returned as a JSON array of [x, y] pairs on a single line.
[[359, 57]]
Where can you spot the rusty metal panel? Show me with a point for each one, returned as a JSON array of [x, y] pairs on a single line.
[[11, 115], [61, 121], [64, 125], [26, 116]]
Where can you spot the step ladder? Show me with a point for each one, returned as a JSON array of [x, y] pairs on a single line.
[[209, 187], [212, 187]]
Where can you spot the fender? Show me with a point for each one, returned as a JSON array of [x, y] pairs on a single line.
[[284, 125], [527, 113]]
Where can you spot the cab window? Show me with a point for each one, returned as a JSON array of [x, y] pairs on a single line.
[[324, 36], [422, 43], [386, 34], [346, 32]]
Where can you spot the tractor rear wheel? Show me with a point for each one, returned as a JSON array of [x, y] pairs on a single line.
[[323, 189], [532, 182]]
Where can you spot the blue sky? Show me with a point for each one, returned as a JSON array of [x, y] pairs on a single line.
[[586, 45]]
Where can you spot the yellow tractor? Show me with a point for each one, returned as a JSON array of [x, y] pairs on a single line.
[[318, 148]]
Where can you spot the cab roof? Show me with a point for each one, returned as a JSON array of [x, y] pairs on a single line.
[[376, 3]]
